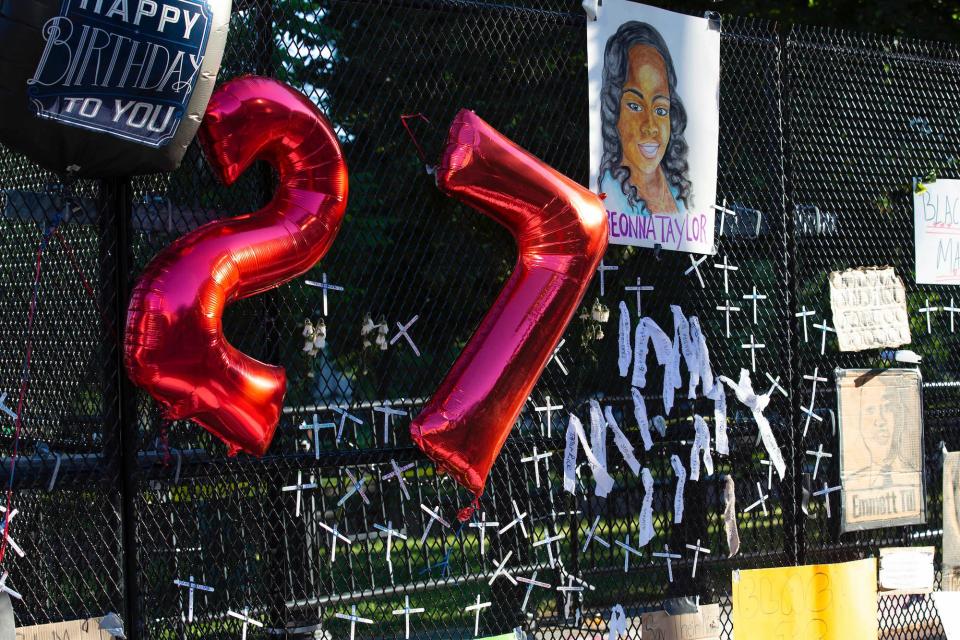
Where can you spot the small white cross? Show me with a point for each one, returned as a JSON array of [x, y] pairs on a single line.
[[755, 297], [591, 535], [775, 384], [354, 619], [531, 582], [405, 612], [3, 407], [769, 466], [344, 416], [697, 550], [192, 586], [535, 459], [724, 212], [556, 358], [316, 426], [627, 550], [727, 308], [548, 543], [246, 619], [356, 487], [500, 571], [548, 409], [391, 532], [335, 534], [639, 289], [477, 608], [402, 332], [819, 453], [824, 329], [6, 532], [300, 487], [762, 502], [669, 557], [952, 309], [814, 379], [602, 269], [398, 474], [323, 284], [695, 267], [388, 411], [928, 310], [482, 526], [8, 589], [727, 268], [515, 521], [753, 345], [825, 492], [803, 315], [434, 516]]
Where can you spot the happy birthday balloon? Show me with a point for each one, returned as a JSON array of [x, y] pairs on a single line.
[[561, 233], [107, 87], [174, 345]]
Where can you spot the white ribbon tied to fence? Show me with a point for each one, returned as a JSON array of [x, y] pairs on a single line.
[[756, 404], [575, 437]]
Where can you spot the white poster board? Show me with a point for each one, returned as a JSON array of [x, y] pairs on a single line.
[[654, 124], [936, 232]]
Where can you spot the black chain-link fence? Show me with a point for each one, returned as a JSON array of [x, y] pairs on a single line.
[[821, 133]]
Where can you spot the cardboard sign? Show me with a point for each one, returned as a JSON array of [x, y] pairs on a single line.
[[815, 602], [869, 309], [73, 630], [936, 232], [906, 570], [127, 69], [703, 625], [951, 522], [881, 448]]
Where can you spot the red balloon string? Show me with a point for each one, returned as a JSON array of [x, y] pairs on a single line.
[[413, 138]]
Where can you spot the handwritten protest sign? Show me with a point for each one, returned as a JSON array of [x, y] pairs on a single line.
[[73, 630], [702, 625], [815, 602], [869, 309], [936, 232]]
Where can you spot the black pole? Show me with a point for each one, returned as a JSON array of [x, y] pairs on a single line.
[[120, 420]]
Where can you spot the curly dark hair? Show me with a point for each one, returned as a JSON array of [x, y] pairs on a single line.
[[615, 62]]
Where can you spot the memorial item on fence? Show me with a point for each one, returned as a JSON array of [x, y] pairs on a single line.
[[813, 602], [936, 231], [72, 630], [561, 232], [906, 570], [702, 625], [869, 308], [174, 345], [881, 448], [108, 88], [654, 124], [951, 522]]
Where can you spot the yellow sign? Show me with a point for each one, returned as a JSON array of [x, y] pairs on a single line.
[[816, 602]]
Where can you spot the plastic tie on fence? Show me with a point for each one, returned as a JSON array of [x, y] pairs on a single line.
[[713, 20], [112, 624]]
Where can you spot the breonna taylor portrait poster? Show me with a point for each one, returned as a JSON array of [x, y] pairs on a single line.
[[654, 124]]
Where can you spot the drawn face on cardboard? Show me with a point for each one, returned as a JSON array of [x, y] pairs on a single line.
[[644, 123], [879, 424]]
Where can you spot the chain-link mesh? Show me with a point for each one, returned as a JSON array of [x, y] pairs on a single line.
[[115, 503]]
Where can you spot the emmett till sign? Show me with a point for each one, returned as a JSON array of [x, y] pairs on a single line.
[[881, 448]]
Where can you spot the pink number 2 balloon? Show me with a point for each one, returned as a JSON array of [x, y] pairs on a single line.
[[174, 345]]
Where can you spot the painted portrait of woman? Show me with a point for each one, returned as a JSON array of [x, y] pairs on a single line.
[[643, 169]]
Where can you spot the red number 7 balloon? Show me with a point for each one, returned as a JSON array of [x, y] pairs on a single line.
[[561, 233], [174, 345]]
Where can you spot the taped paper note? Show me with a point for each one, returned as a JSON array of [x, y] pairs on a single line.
[[744, 391], [730, 516], [646, 331], [951, 522], [681, 481], [869, 309], [660, 424], [623, 445], [701, 444], [646, 510], [906, 570], [626, 353], [703, 355], [575, 435], [948, 606], [702, 625], [815, 602], [719, 397], [640, 413], [598, 433], [617, 627]]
